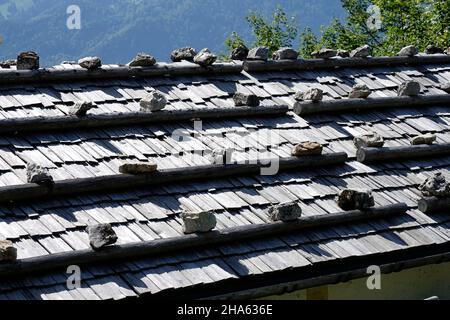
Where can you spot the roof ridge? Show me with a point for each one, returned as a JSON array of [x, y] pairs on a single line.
[[8, 76]]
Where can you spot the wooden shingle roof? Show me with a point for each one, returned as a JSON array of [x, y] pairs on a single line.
[[48, 226]]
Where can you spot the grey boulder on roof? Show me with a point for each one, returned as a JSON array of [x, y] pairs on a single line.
[[81, 108], [186, 53], [408, 51], [239, 53], [258, 53], [311, 94], [361, 52], [90, 63], [199, 222], [205, 58], [27, 61], [355, 199], [153, 102], [324, 53], [433, 49], [369, 140], [143, 60], [285, 212], [435, 186], [360, 91], [409, 88], [244, 99], [101, 235], [7, 251], [38, 174], [285, 54]]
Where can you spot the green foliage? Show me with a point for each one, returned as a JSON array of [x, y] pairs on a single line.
[[234, 41], [308, 43], [281, 31], [402, 23]]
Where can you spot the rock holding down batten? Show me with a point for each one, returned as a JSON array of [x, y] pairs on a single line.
[[243, 99], [432, 49], [240, 53], [205, 58], [199, 222], [8, 253], [409, 89], [258, 53], [186, 53], [312, 94], [324, 53], [153, 102], [90, 63], [307, 149], [355, 199], [369, 140], [143, 60], [361, 52], [408, 51], [425, 139], [285, 54], [285, 212], [435, 186], [137, 167], [38, 174], [101, 235], [360, 91], [446, 87], [81, 108], [27, 61]]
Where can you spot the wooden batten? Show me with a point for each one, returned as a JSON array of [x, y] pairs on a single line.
[[314, 64], [124, 181], [368, 155], [326, 107], [119, 72], [39, 124], [192, 242], [434, 205]]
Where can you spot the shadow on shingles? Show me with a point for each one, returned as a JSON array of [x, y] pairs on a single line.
[[392, 237]]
